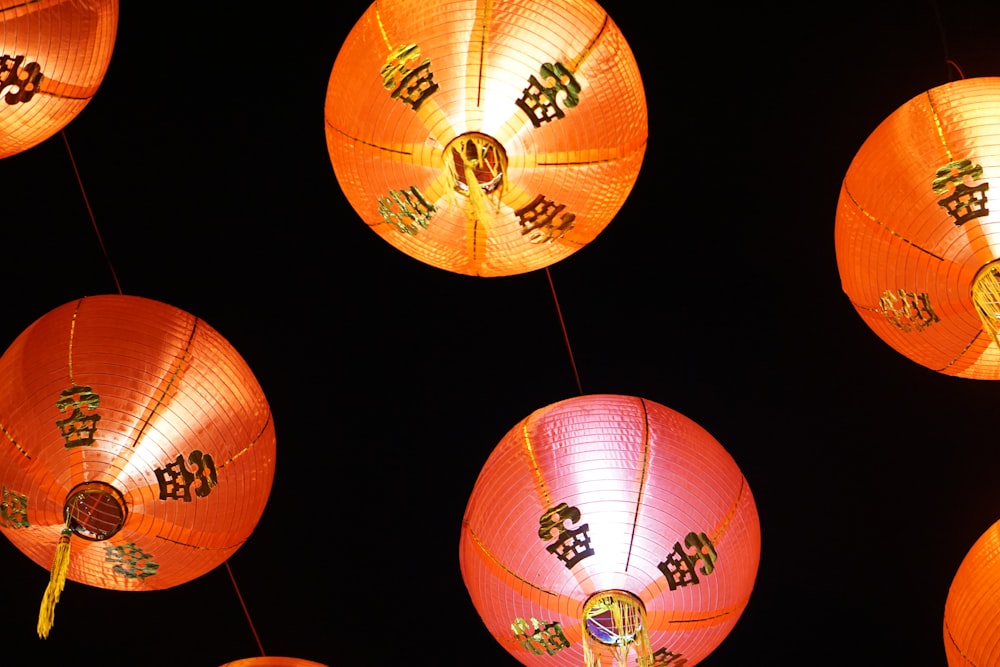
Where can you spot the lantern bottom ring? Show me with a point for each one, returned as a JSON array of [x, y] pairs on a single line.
[[986, 297], [95, 510], [477, 164], [614, 617]]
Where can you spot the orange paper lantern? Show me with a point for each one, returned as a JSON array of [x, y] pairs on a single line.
[[972, 610], [487, 139], [55, 54], [917, 236], [135, 432], [609, 525]]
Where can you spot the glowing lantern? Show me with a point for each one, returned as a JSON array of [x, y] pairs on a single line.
[[609, 526], [55, 54], [486, 138], [273, 661], [917, 237], [134, 431], [972, 610]]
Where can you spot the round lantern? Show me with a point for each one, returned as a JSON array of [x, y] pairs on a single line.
[[273, 661], [55, 54], [609, 526], [972, 610], [487, 139], [917, 235], [135, 436]]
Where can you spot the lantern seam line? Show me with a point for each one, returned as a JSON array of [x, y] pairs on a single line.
[[367, 143], [381, 28], [575, 64], [937, 125], [886, 227], [484, 27], [955, 643], [20, 6], [705, 619], [170, 383], [962, 353], [546, 498], [253, 442], [482, 547], [69, 350], [642, 479], [55, 94], [14, 442], [587, 163], [720, 530], [198, 548]]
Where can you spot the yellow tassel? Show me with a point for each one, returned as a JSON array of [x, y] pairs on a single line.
[[57, 581]]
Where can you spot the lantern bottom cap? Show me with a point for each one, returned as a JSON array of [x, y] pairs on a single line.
[[95, 510], [614, 617]]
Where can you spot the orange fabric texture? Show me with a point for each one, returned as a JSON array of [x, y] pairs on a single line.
[[972, 609], [550, 91], [56, 53]]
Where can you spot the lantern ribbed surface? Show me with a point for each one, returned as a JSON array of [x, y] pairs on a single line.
[[972, 610], [124, 410], [917, 235], [607, 493], [486, 138], [55, 55]]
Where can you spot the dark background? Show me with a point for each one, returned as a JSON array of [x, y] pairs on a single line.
[[714, 292]]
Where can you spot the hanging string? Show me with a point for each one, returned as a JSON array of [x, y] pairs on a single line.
[[961, 74], [562, 323], [944, 44], [114, 275], [90, 212], [246, 613]]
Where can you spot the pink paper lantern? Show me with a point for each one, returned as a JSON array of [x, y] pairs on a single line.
[[609, 526]]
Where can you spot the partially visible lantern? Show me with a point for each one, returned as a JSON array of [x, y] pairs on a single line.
[[488, 138], [972, 610], [917, 237], [134, 431], [273, 661], [609, 526], [55, 54]]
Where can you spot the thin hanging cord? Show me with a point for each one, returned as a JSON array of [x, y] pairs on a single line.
[[949, 61], [256, 637], [114, 275], [90, 212], [961, 74], [562, 323]]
